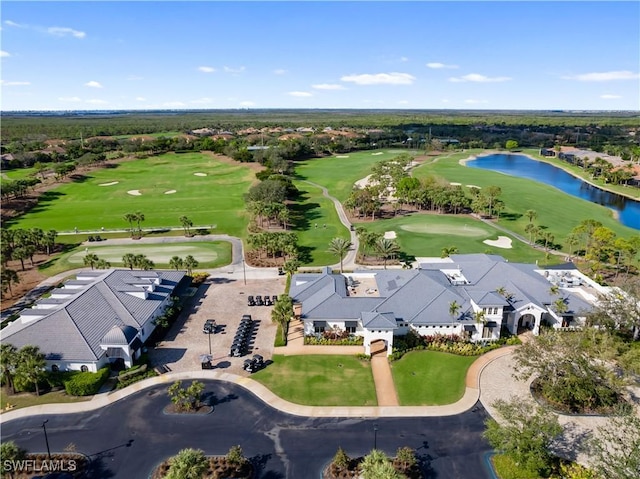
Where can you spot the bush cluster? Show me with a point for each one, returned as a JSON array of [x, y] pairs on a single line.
[[138, 376], [447, 344], [323, 341], [86, 384]]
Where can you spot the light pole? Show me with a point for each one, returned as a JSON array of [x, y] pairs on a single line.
[[375, 436], [209, 334], [244, 272], [46, 439]]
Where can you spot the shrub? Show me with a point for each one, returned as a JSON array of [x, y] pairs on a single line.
[[235, 456], [122, 383], [198, 278], [324, 341], [86, 384], [341, 460]]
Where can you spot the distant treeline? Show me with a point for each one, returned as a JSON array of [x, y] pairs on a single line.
[[22, 126]]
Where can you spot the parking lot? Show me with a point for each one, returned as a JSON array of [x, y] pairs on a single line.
[[225, 301]]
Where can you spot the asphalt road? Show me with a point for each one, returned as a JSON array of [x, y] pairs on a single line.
[[129, 438]]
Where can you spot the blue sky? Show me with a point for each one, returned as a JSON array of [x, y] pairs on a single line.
[[425, 55]]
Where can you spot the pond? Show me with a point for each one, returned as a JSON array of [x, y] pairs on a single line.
[[628, 210]]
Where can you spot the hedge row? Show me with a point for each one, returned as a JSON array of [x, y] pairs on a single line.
[[86, 384]]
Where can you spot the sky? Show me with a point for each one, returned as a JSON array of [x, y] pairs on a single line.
[[543, 55]]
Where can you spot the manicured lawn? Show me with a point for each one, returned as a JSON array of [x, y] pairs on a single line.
[[209, 254], [318, 380], [21, 400], [428, 378], [338, 175], [18, 173], [422, 234], [558, 212], [214, 199], [316, 223]]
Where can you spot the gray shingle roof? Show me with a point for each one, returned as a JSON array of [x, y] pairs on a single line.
[[373, 320]]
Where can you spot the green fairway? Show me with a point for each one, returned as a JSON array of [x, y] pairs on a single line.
[[316, 223], [338, 174], [556, 211], [422, 234], [209, 254], [430, 378], [318, 380], [164, 188]]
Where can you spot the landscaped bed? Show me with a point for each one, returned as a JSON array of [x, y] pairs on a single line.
[[428, 378], [317, 380]]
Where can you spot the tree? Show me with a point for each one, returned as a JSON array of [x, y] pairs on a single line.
[[130, 218], [531, 215], [341, 460], [615, 449], [11, 454], [406, 457], [186, 399], [387, 248], [339, 247], [103, 264], [91, 259], [376, 465], [448, 251], [176, 263], [511, 145], [235, 456], [291, 266], [525, 433], [9, 360], [139, 218], [129, 260], [186, 224], [190, 264], [620, 309], [187, 464], [9, 276], [50, 240], [31, 366], [282, 313], [454, 310]]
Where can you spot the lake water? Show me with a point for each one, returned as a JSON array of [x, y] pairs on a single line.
[[524, 167]]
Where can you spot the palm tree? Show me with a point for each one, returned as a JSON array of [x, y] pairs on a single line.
[[387, 248], [146, 264], [91, 259], [454, 309], [339, 247], [139, 217], [190, 264], [187, 464], [176, 263], [531, 215], [8, 364], [129, 260], [291, 266], [50, 240], [130, 218], [448, 251], [9, 276], [31, 366], [282, 313], [186, 224]]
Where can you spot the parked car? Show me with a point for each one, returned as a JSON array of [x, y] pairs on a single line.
[[209, 326]]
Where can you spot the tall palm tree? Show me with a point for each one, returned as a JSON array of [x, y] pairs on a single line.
[[454, 309], [387, 248], [190, 263], [91, 259], [129, 260], [340, 247], [130, 218], [9, 276], [282, 313], [531, 215], [50, 240], [186, 224], [8, 364], [103, 264], [139, 218], [176, 263], [31, 366]]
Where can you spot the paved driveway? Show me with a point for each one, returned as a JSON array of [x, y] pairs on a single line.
[[223, 299]]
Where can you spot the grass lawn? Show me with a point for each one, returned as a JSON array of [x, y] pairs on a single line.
[[209, 254], [338, 174], [18, 173], [21, 400], [430, 378], [310, 210], [558, 212], [214, 199], [318, 380], [422, 234], [505, 468]]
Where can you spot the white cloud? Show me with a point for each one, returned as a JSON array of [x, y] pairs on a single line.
[[202, 101], [206, 69], [477, 78], [439, 66], [279, 71], [233, 70], [173, 104], [65, 31], [93, 84], [604, 76], [4, 54], [300, 94], [475, 102], [96, 101], [608, 96], [141, 98], [14, 24], [14, 83], [247, 104], [69, 99], [393, 78], [328, 86]]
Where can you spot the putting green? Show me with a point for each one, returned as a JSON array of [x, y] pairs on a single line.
[[446, 229], [159, 254]]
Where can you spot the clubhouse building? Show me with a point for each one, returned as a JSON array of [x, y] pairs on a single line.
[[476, 296], [101, 317]]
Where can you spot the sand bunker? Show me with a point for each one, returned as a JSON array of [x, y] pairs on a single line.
[[200, 174], [474, 186], [170, 192], [342, 156], [109, 184], [378, 153], [134, 192], [455, 184], [502, 242], [390, 235]]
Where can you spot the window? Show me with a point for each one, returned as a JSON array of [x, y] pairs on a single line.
[[84, 368], [55, 368], [495, 310], [484, 310], [487, 332], [351, 329]]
